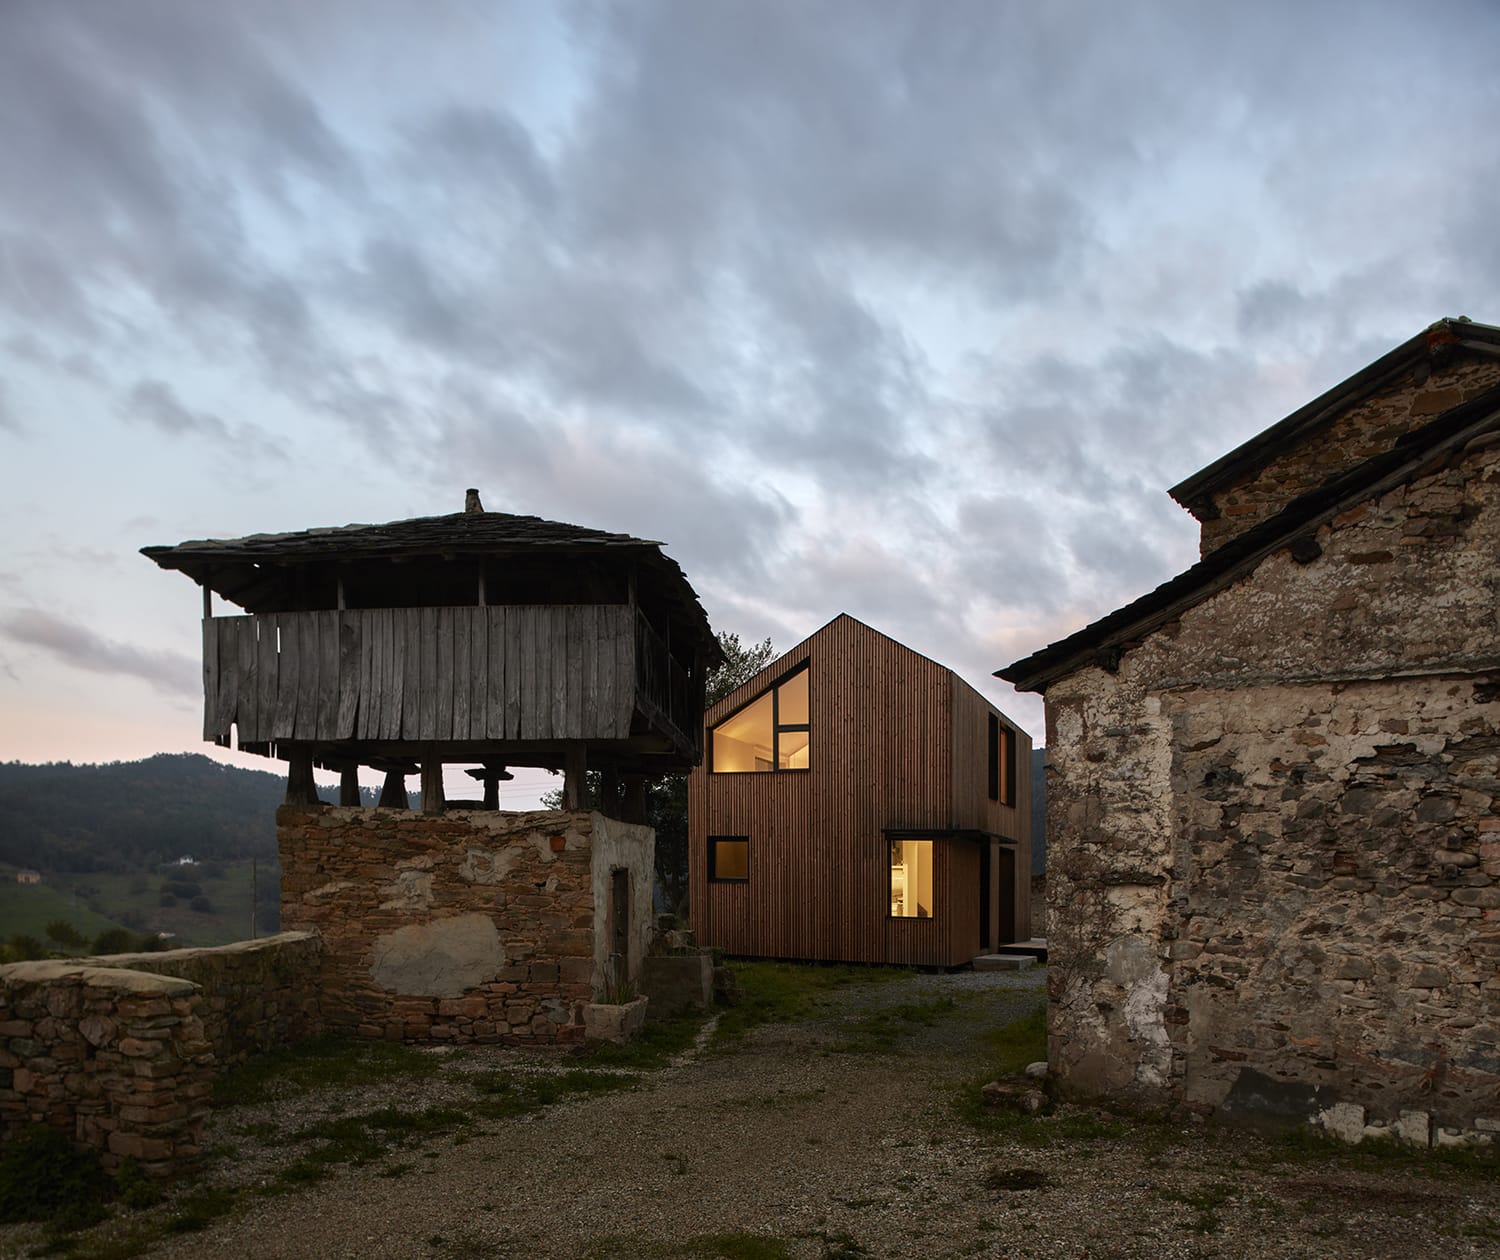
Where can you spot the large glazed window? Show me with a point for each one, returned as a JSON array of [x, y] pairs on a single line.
[[770, 733], [911, 879]]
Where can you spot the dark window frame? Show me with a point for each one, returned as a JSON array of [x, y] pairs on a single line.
[[777, 727], [892, 839], [713, 860], [994, 757]]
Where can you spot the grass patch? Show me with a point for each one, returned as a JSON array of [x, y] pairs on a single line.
[[1306, 1146], [659, 1041], [1205, 1200], [362, 1139], [505, 1096], [879, 1031], [776, 993], [317, 1063]]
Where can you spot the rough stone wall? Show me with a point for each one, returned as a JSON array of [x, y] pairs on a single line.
[[465, 926], [1360, 433], [256, 995], [117, 1058], [1274, 876]]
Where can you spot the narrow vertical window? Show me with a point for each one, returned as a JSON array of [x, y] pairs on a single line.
[[911, 879], [994, 758], [1008, 767]]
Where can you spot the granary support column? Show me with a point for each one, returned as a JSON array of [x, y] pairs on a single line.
[[393, 790], [432, 782], [575, 772], [301, 789], [349, 784]]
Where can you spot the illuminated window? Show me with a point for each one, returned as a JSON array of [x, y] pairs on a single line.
[[911, 879], [728, 859], [770, 733], [1002, 762]]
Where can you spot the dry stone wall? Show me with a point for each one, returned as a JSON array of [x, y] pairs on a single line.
[[119, 1059], [1274, 868], [1361, 432], [465, 926], [256, 995]]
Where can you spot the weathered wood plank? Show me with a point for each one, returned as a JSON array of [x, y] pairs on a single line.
[[527, 642], [350, 683], [328, 673], [515, 628], [307, 676], [626, 668], [249, 685], [266, 669], [288, 678], [367, 715], [588, 669], [495, 715], [479, 670], [395, 676], [410, 622], [445, 679], [427, 675], [229, 676], [210, 678], [557, 658]]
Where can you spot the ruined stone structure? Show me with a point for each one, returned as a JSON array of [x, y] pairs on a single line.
[[474, 926], [1274, 783]]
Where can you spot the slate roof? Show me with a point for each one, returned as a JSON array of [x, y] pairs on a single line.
[[1195, 493], [1101, 642], [483, 532]]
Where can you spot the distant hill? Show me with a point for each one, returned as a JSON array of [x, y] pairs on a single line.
[[132, 814]]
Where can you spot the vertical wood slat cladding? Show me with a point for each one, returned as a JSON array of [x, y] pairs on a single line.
[[898, 742], [428, 674]]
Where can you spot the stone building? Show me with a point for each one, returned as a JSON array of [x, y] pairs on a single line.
[[1274, 797]]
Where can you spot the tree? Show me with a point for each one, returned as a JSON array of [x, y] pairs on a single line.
[[63, 933]]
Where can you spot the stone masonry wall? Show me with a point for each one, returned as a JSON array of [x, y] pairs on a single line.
[[256, 995], [1274, 868], [1360, 433], [465, 926], [117, 1058]]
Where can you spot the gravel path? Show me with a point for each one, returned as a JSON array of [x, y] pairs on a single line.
[[835, 1136]]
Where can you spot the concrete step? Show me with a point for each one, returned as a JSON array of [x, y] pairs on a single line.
[[1004, 962], [1036, 947]]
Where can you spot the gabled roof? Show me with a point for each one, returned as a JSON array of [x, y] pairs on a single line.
[[1196, 493], [790, 660], [1103, 641]]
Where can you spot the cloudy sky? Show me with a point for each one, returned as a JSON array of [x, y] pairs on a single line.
[[906, 310]]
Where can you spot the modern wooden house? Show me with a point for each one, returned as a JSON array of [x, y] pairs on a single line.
[[478, 637], [860, 802]]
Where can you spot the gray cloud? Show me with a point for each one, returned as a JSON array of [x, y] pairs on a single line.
[[81, 648]]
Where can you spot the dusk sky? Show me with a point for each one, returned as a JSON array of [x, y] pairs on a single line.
[[911, 311]]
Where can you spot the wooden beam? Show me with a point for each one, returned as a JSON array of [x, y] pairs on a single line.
[[349, 785], [208, 602], [301, 789], [575, 769], [633, 807], [393, 791], [432, 783]]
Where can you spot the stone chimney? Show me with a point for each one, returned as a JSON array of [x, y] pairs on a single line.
[[471, 501]]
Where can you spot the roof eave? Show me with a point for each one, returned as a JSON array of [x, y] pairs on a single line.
[[1195, 493], [1102, 641]]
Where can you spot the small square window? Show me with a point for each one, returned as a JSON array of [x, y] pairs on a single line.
[[728, 859]]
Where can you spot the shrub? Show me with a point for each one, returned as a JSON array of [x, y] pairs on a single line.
[[114, 941], [42, 1178], [63, 933], [202, 905]]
